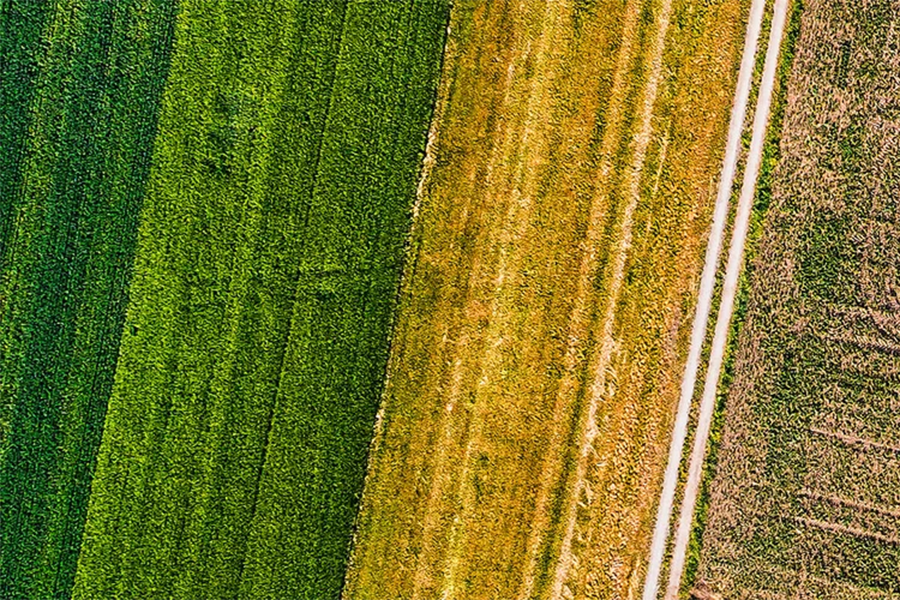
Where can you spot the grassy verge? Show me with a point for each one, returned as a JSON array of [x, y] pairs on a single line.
[[77, 181], [762, 201], [269, 254]]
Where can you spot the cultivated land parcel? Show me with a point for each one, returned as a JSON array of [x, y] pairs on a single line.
[[205, 210], [268, 259], [80, 84], [547, 302], [806, 500]]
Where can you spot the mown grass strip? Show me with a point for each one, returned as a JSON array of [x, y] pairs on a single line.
[[771, 155], [269, 254], [84, 167]]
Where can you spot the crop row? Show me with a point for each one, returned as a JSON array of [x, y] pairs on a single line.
[[268, 259], [80, 96]]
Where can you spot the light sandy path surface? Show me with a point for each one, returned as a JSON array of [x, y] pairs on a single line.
[[723, 324], [704, 300], [729, 290]]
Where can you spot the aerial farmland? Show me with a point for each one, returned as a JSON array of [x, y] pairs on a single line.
[[805, 501], [449, 300]]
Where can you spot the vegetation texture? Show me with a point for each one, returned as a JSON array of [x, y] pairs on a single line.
[[761, 204], [268, 261], [806, 500], [546, 307], [80, 83]]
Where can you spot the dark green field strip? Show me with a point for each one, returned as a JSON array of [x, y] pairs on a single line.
[[268, 258], [83, 178], [21, 25]]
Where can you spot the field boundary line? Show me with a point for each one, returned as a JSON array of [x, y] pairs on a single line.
[[448, 62], [704, 301], [729, 292], [410, 255], [409, 258], [600, 364]]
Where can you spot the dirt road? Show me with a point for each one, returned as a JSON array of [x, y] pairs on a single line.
[[723, 323]]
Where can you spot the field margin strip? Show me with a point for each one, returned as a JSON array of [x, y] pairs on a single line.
[[729, 291]]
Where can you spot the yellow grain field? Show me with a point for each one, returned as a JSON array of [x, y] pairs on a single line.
[[547, 299]]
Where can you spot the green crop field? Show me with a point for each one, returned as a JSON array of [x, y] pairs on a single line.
[[269, 254], [21, 24], [80, 84]]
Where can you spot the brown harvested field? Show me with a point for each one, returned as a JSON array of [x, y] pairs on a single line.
[[806, 500], [546, 306]]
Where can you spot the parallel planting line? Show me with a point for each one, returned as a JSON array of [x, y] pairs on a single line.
[[704, 301], [729, 291], [579, 320], [600, 365]]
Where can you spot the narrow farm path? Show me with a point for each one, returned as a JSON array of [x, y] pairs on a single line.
[[704, 299], [729, 292], [726, 308], [806, 490]]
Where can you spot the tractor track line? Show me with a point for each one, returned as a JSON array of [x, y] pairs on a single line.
[[579, 318], [704, 300], [423, 577]]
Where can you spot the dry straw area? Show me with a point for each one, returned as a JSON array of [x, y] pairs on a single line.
[[547, 300]]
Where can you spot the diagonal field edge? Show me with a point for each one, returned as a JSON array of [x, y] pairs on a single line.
[[729, 291], [704, 301]]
